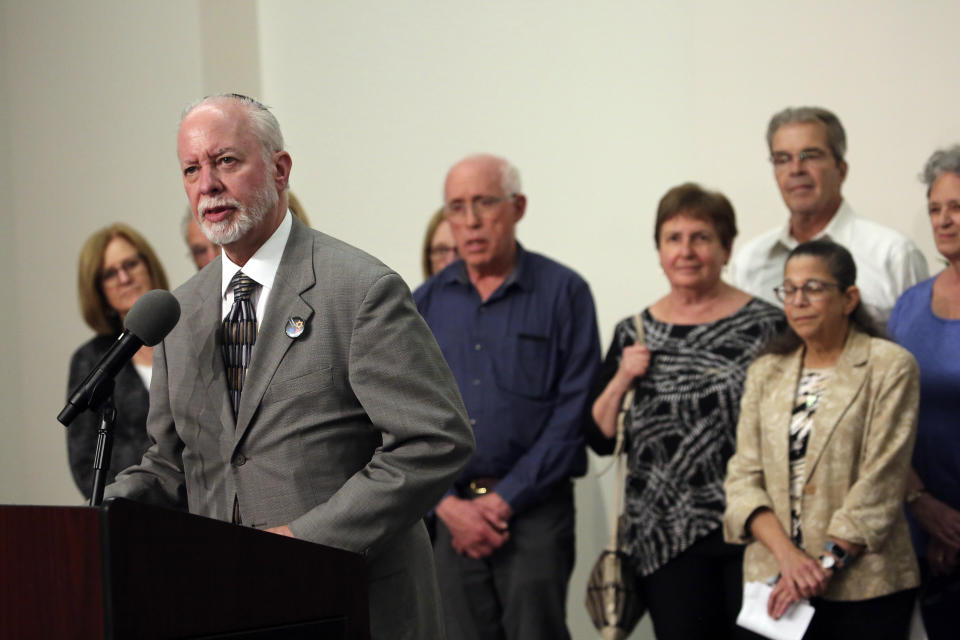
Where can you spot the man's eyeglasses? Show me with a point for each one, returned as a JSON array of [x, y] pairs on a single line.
[[812, 290], [128, 266], [482, 207], [782, 159]]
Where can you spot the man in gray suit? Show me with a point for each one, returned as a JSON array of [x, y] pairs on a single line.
[[344, 426]]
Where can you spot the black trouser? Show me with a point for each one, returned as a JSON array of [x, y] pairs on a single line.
[[520, 591], [698, 593], [940, 603], [886, 617]]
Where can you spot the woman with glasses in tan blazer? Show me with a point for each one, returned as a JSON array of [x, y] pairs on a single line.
[[826, 430]]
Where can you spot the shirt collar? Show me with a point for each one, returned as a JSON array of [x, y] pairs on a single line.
[[263, 265], [521, 275], [839, 226], [836, 230]]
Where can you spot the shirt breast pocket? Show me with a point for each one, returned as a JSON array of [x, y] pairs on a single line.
[[525, 365]]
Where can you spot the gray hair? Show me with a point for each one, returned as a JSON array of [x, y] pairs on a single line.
[[264, 124], [836, 136], [942, 161], [509, 178], [509, 174]]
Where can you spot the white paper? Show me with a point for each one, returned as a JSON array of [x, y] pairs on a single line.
[[753, 614]]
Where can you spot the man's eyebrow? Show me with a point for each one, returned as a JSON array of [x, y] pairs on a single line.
[[223, 150], [215, 154]]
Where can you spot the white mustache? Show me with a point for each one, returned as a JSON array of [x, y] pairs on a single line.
[[206, 204]]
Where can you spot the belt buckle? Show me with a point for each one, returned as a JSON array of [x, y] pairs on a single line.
[[481, 485], [478, 489]]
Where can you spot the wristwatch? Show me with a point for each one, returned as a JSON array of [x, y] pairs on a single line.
[[838, 552], [913, 495], [828, 562]]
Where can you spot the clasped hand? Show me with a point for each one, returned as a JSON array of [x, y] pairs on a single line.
[[800, 577], [479, 526]]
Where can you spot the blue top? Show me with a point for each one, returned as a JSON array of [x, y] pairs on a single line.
[[524, 360], [935, 343]]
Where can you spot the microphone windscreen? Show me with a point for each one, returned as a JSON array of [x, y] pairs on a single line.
[[153, 316]]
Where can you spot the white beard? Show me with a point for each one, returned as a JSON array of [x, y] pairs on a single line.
[[226, 232]]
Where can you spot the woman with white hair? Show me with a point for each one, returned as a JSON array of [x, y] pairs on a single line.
[[926, 320]]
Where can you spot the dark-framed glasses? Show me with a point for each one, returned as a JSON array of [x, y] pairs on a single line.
[[811, 290], [482, 206], [128, 266], [781, 159]]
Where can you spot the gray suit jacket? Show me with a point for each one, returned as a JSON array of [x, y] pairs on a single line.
[[349, 433]]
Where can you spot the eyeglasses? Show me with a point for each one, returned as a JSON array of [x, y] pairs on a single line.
[[482, 207], [442, 251], [782, 159], [128, 266], [812, 290]]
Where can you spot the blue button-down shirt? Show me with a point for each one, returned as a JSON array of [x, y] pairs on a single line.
[[525, 360]]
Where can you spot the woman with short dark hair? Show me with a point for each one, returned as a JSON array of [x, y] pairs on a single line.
[[688, 368]]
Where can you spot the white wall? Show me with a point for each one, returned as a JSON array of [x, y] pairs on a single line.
[[602, 106], [91, 97]]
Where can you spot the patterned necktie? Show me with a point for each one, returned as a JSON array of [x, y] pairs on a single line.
[[239, 335]]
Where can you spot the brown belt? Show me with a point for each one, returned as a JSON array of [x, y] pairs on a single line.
[[481, 486]]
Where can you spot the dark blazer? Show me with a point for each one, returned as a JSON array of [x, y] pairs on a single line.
[[349, 433], [130, 431]]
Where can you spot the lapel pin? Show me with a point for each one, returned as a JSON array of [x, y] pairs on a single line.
[[295, 326]]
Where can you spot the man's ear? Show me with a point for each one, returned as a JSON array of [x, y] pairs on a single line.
[[282, 163], [520, 206]]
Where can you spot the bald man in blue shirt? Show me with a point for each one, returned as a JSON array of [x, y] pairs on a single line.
[[519, 332]]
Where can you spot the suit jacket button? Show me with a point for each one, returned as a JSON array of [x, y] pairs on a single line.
[[239, 460]]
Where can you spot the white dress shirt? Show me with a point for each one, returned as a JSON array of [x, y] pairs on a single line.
[[888, 262], [262, 267]]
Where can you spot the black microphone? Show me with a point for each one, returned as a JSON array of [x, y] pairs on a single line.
[[148, 322]]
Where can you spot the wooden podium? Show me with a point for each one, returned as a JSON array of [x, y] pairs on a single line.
[[128, 570]]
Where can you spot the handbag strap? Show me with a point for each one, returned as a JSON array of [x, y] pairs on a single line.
[[618, 452]]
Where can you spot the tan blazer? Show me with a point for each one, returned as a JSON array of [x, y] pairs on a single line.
[[857, 458]]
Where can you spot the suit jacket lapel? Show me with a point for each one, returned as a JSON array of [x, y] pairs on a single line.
[[294, 276], [844, 386], [205, 320], [778, 406]]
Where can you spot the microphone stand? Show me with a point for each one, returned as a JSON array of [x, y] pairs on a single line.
[[102, 401]]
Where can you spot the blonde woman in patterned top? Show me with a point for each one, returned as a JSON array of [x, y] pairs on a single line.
[[698, 341], [826, 430]]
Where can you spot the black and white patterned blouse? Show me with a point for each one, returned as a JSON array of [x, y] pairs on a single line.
[[681, 429], [810, 391]]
